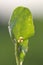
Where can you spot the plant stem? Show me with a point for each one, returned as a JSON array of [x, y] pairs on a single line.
[[16, 55]]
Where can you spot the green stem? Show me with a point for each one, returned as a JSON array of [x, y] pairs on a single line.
[[16, 55]]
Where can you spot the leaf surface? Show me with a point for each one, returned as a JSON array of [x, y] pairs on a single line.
[[21, 23]]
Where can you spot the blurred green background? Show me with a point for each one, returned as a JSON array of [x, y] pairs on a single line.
[[35, 53]]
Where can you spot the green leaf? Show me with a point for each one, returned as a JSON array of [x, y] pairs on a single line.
[[21, 23]]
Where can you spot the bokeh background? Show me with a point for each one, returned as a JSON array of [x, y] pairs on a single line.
[[35, 53]]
